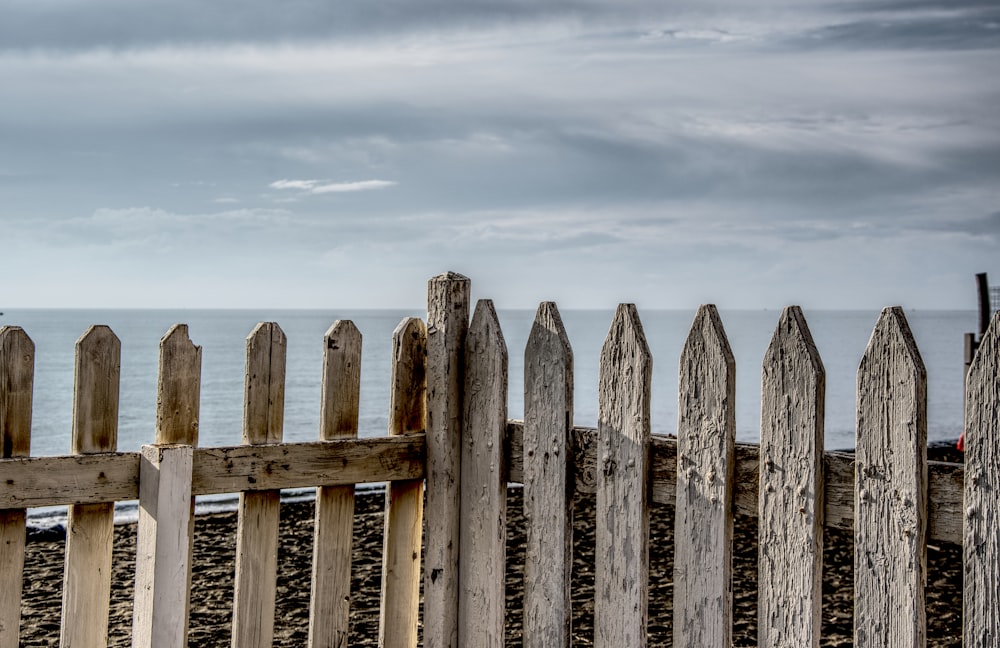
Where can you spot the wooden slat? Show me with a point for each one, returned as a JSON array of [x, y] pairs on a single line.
[[330, 604], [257, 527], [706, 434], [981, 619], [17, 371], [404, 503], [165, 534], [548, 482], [89, 527], [790, 549], [890, 555], [178, 393], [447, 323], [163, 548], [482, 560], [621, 572]]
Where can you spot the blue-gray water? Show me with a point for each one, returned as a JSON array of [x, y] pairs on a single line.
[[841, 337]]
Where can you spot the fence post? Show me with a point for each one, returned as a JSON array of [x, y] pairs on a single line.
[[981, 620], [257, 528], [790, 547], [447, 324], [17, 372], [166, 508], [482, 557], [90, 527], [706, 441], [330, 605], [621, 572], [548, 482], [890, 496], [404, 501]]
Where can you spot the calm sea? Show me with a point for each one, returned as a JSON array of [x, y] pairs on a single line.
[[840, 335]]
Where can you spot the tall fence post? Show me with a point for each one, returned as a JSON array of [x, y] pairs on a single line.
[[257, 528], [981, 619], [890, 499], [90, 527], [548, 482], [706, 440], [790, 500], [482, 558], [17, 373], [621, 572], [404, 500], [447, 324], [165, 531], [330, 604]]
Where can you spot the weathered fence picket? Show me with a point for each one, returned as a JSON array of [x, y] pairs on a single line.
[[447, 324], [982, 485], [482, 557], [86, 597], [17, 374], [333, 535], [548, 482], [790, 544], [706, 438], [255, 581], [399, 616], [166, 502], [890, 525], [621, 574], [448, 426]]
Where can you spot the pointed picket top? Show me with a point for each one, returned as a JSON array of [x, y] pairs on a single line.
[[890, 525], [706, 441], [17, 376], [982, 482], [548, 481], [178, 403], [95, 399], [621, 572], [790, 559], [341, 388], [408, 402], [264, 384], [482, 553]]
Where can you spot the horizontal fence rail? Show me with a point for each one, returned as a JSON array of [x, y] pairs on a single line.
[[450, 453]]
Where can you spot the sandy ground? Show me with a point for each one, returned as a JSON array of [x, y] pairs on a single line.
[[211, 596]]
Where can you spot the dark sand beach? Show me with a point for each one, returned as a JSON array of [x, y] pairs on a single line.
[[211, 596]]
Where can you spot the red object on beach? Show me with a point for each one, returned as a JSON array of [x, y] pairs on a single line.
[[961, 443]]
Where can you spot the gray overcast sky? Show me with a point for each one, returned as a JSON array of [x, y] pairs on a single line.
[[834, 154]]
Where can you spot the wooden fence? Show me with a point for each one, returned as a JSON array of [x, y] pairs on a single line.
[[451, 452]]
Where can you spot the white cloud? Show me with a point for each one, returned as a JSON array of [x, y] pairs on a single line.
[[323, 187]]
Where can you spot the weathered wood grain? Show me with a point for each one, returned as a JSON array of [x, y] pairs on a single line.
[[163, 548], [17, 372], [790, 547], [621, 572], [548, 482], [890, 527], [257, 519], [482, 558], [981, 610], [447, 324], [945, 480], [404, 504], [330, 605], [178, 394], [89, 527], [706, 435]]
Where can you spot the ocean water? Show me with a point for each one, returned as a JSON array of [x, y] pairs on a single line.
[[841, 337]]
